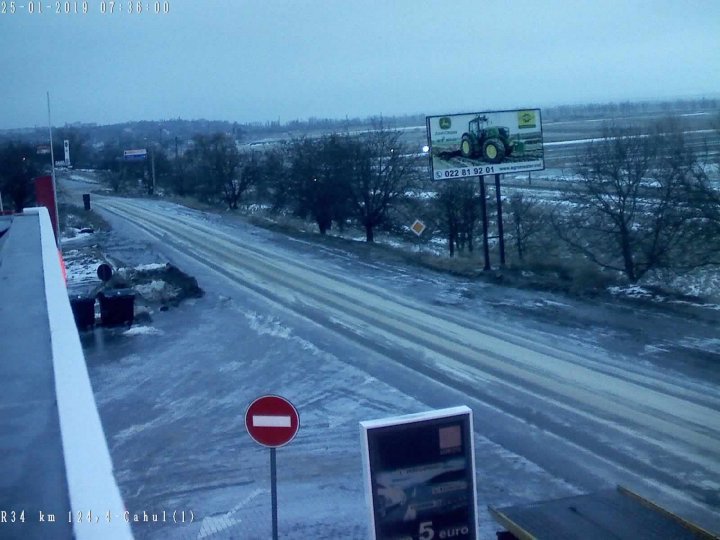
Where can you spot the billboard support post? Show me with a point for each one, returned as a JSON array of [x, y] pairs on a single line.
[[500, 220], [483, 208]]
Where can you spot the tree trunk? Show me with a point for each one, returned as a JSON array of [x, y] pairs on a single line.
[[518, 241], [323, 225], [627, 254], [369, 234]]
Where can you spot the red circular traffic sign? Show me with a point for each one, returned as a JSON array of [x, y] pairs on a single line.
[[272, 421]]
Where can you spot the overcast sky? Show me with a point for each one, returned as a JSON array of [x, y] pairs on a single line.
[[271, 59]]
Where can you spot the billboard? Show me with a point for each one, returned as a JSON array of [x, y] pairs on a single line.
[[493, 142], [420, 475], [133, 155]]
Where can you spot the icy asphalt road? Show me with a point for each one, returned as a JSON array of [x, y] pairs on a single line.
[[557, 410]]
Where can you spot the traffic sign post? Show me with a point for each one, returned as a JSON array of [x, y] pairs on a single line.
[[272, 421]]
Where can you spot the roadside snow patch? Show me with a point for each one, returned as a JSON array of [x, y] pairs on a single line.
[[151, 266], [269, 326], [81, 268], [157, 290], [85, 179], [711, 345], [213, 525], [654, 349], [75, 235], [633, 291], [142, 331]]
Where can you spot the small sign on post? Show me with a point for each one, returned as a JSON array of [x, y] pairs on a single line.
[[418, 227], [272, 421], [420, 475]]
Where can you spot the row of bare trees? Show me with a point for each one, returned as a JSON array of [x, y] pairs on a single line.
[[19, 163], [640, 202], [331, 179]]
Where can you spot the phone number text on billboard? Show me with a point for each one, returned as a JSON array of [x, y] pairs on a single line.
[[465, 172]]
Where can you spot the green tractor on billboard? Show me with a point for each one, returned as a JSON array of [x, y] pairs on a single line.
[[490, 143]]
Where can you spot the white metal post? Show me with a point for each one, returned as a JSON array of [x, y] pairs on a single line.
[[52, 164], [152, 160]]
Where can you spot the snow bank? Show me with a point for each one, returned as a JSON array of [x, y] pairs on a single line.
[[157, 290], [81, 178], [150, 267], [631, 291], [143, 331]]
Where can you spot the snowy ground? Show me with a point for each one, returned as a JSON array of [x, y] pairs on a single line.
[[568, 397]]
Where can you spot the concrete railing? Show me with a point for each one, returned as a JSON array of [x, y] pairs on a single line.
[[91, 483]]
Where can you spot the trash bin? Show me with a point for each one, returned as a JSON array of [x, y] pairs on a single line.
[[117, 307], [86, 201], [83, 308]]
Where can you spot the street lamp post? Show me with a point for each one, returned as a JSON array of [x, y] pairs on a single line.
[[52, 165], [151, 146], [152, 164]]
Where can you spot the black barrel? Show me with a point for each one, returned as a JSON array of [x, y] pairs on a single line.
[[117, 307], [83, 308]]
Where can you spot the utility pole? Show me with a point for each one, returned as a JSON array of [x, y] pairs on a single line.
[[152, 163], [52, 165]]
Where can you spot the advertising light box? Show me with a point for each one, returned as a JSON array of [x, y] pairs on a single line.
[[420, 476], [135, 155], [477, 144]]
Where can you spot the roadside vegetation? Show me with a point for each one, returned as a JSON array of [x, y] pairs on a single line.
[[639, 204], [75, 220]]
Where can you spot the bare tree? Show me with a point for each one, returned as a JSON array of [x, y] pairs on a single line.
[[527, 223], [448, 209], [458, 206], [705, 196], [316, 181], [634, 210], [219, 168], [274, 183], [18, 166], [380, 175]]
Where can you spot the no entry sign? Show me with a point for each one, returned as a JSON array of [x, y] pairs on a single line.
[[272, 421]]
